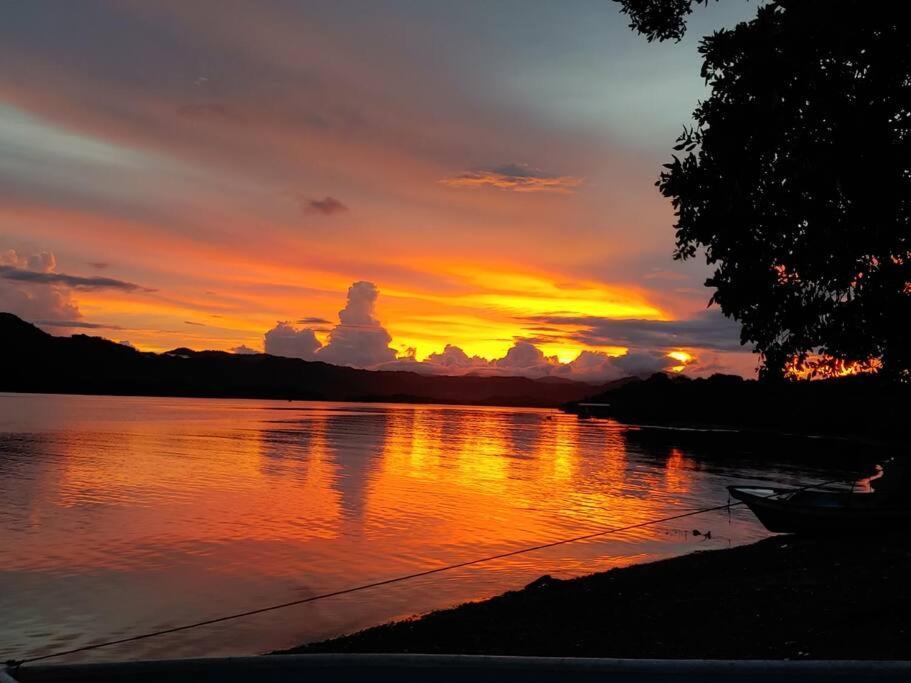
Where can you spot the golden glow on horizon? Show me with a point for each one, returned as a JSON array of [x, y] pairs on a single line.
[[479, 221], [487, 311], [218, 296]]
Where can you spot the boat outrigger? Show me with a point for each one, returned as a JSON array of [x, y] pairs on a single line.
[[808, 511]]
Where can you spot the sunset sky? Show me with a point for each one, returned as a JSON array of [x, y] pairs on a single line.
[[471, 174]]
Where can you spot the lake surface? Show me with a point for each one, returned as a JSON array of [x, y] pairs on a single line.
[[122, 515]]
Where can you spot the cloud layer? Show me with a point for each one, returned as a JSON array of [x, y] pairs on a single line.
[[709, 330]]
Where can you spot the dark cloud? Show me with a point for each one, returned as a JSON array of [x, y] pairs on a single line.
[[73, 281], [327, 206], [709, 330], [314, 321], [190, 322], [99, 265], [79, 324]]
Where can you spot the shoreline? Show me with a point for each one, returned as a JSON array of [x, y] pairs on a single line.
[[785, 597]]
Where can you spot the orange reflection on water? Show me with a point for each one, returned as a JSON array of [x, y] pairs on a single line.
[[179, 491], [503, 480], [430, 484], [676, 476], [193, 507]]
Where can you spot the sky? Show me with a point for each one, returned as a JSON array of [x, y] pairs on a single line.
[[427, 185]]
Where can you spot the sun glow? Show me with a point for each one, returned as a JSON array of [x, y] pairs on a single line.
[[683, 358]]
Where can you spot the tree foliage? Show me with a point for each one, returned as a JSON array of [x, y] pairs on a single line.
[[659, 19], [795, 179]]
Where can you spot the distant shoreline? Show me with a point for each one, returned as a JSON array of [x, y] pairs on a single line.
[[369, 400], [864, 407], [781, 598], [36, 362]]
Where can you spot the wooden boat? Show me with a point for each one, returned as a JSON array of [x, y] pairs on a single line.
[[808, 511]]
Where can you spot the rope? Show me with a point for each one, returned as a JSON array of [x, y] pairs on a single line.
[[385, 582]]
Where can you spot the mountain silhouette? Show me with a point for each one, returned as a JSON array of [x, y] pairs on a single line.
[[33, 361]]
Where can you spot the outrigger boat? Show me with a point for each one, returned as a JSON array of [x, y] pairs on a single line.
[[808, 511]]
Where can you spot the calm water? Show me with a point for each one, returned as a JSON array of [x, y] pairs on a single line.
[[122, 515]]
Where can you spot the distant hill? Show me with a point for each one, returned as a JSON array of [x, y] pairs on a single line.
[[856, 405], [34, 361]]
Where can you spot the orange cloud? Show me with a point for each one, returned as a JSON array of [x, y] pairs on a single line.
[[516, 178]]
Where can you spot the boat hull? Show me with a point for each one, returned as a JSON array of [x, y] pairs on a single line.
[[821, 512]]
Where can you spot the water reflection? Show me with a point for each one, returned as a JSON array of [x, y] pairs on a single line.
[[126, 514]]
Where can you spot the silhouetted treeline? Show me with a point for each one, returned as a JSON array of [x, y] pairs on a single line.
[[853, 405], [793, 179], [33, 361]]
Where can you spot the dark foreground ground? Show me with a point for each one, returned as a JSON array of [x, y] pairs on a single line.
[[785, 597]]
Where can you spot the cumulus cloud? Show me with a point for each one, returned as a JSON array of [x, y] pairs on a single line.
[[524, 359], [358, 340], [514, 177], [527, 360], [454, 359], [596, 366], [286, 340], [243, 350], [327, 206]]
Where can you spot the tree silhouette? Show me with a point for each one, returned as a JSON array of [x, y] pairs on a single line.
[[659, 19], [796, 178]]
